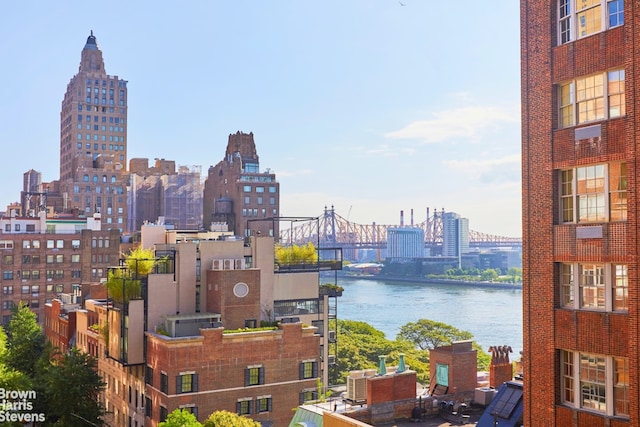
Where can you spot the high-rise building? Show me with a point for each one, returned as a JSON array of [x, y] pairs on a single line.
[[162, 192], [455, 234], [93, 141], [236, 192], [405, 243], [580, 222]]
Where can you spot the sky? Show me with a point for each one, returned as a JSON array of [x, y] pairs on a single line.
[[370, 106]]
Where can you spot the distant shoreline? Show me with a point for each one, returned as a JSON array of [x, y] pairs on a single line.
[[452, 282]]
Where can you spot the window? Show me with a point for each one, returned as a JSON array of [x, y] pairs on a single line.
[[595, 193], [600, 286], [615, 10], [148, 375], [148, 408], [616, 93], [7, 275], [7, 305], [26, 259], [621, 386], [50, 259], [244, 407], [586, 18], [8, 259], [7, 290], [247, 200], [163, 413], [272, 189], [246, 189], [75, 257], [254, 375], [263, 404], [307, 396], [25, 289], [186, 383], [583, 100], [308, 369], [164, 383], [602, 382], [620, 288]]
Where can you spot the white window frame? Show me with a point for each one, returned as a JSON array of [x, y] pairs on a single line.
[[580, 204], [571, 20], [574, 284], [571, 383], [587, 99]]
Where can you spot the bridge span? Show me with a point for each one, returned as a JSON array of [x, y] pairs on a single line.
[[333, 230]]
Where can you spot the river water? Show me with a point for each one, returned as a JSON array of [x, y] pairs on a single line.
[[493, 316]]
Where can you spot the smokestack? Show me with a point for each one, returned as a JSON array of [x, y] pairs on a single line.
[[401, 218], [412, 217]]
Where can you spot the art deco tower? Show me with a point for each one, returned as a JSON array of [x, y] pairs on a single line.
[[93, 119], [93, 140]]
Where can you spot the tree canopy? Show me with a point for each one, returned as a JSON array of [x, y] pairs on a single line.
[[428, 334], [229, 419], [25, 342], [180, 418]]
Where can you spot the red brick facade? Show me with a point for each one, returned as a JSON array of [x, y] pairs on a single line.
[[548, 147], [220, 362]]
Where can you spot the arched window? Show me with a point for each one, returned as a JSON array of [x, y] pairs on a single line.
[[86, 178]]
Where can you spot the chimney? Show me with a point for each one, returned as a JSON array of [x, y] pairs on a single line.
[[401, 366], [412, 217], [382, 369], [401, 218]]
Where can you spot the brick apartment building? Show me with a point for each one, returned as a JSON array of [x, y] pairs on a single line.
[[580, 212], [236, 192], [162, 191], [44, 257], [167, 349]]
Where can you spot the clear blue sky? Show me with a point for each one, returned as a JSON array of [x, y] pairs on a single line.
[[368, 105]]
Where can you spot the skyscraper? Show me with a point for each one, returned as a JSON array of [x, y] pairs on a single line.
[[580, 221], [93, 119], [93, 140]]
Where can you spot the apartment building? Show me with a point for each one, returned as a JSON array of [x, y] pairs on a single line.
[[44, 257], [580, 222], [192, 337], [237, 192]]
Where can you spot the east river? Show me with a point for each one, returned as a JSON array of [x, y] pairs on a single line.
[[493, 316]]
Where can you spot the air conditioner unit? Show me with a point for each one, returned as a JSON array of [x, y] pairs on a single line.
[[331, 359], [228, 264], [357, 388], [332, 336], [217, 264]]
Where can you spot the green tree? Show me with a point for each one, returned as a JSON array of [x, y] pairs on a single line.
[[180, 418], [124, 284], [489, 275], [428, 334], [10, 378], [361, 345], [516, 273], [72, 387], [296, 254], [229, 419], [25, 341]]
